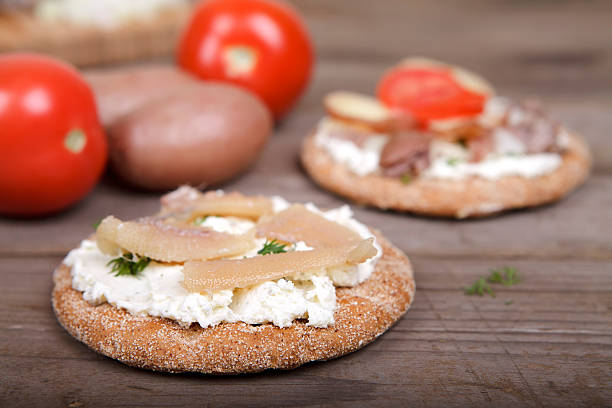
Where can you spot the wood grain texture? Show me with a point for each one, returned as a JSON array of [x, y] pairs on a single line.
[[550, 347]]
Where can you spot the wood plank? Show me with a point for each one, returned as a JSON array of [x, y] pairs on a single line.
[[544, 342], [573, 228], [551, 347], [560, 45]]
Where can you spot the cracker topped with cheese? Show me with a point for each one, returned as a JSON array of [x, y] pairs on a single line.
[[228, 272], [437, 141]]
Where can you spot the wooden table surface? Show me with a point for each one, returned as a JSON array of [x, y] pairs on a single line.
[[544, 342]]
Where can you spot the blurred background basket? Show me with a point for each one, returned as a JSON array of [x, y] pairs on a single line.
[[86, 45]]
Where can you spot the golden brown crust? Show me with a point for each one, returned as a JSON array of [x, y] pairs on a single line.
[[364, 312], [471, 197]]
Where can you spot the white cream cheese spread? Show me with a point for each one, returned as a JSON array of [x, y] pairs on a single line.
[[157, 290], [528, 166], [361, 160], [449, 161]]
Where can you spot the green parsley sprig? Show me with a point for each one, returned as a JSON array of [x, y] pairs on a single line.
[[128, 265], [272, 247]]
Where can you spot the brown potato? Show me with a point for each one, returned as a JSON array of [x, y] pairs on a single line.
[[202, 135], [121, 90]]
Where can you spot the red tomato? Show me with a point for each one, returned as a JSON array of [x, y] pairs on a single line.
[[261, 45], [52, 145], [429, 93]]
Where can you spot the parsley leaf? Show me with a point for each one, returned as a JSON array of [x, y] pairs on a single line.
[[272, 247], [480, 287], [128, 265], [97, 224]]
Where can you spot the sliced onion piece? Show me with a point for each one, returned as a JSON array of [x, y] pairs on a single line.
[[160, 241], [297, 223], [211, 276]]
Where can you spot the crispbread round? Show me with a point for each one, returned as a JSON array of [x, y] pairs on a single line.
[[364, 312], [471, 197]]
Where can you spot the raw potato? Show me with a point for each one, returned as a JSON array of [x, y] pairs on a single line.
[[121, 90], [203, 135]]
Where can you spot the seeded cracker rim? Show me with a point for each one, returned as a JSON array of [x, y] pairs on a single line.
[[470, 197]]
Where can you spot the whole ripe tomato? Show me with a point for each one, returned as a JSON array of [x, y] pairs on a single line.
[[433, 91], [52, 145], [261, 45]]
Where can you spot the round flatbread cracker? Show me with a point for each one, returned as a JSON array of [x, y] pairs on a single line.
[[364, 312], [470, 197]]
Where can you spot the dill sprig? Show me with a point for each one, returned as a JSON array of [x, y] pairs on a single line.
[[128, 265], [507, 276], [453, 161], [272, 247], [480, 287]]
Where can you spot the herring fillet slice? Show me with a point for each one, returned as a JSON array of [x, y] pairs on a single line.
[[168, 243], [297, 223], [192, 201], [210, 276]]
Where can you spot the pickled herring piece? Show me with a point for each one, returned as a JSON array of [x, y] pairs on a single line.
[[191, 201], [160, 241], [211, 276], [297, 223]]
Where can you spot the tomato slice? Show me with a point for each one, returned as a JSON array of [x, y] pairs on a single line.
[[429, 93]]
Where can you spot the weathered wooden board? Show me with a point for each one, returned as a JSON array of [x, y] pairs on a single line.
[[574, 227], [552, 346], [544, 342]]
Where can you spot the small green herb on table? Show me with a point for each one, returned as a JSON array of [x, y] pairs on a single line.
[[507, 276], [480, 288]]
